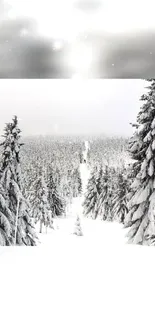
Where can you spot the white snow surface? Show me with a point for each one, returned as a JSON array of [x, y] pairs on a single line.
[[94, 279]]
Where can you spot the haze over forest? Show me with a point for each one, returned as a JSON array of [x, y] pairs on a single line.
[[64, 107]]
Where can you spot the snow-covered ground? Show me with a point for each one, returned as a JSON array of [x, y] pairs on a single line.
[[94, 279]]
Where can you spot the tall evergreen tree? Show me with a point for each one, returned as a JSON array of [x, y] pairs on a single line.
[[56, 202], [41, 208], [141, 215], [57, 177], [23, 231], [76, 183], [99, 179], [103, 199], [112, 187], [91, 197], [120, 198], [67, 187]]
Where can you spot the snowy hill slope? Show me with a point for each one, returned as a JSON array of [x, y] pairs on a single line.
[[77, 280]]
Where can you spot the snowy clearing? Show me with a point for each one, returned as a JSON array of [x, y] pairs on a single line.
[[78, 280]]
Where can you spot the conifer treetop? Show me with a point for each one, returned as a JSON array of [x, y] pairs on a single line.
[[11, 144]]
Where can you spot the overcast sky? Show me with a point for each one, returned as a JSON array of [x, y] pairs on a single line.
[[60, 38], [71, 106]]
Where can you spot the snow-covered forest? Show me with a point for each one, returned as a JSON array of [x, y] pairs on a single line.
[[78, 201], [50, 184], [44, 178]]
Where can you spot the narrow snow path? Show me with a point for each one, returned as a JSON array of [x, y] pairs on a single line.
[[92, 229], [65, 226]]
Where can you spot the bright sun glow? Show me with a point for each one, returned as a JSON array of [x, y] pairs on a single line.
[[77, 76], [58, 44], [81, 58]]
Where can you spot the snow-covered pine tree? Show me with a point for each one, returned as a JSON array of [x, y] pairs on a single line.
[[23, 231], [131, 173], [67, 190], [112, 186], [57, 177], [141, 217], [91, 197], [69, 182], [54, 170], [56, 202], [41, 208], [6, 220], [120, 197], [103, 199], [79, 182], [66, 193], [76, 183], [99, 179], [78, 229]]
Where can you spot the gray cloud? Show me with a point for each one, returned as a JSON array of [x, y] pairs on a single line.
[[29, 56], [33, 56], [132, 56]]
